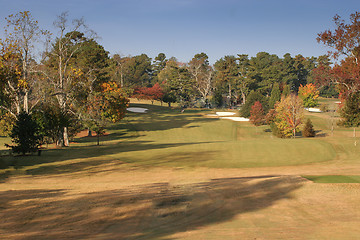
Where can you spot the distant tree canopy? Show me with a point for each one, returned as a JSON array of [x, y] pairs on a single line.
[[69, 79]]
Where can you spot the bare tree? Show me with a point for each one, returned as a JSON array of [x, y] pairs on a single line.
[[202, 73], [18, 51], [60, 70]]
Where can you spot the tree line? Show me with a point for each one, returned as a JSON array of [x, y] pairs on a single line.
[[75, 83]]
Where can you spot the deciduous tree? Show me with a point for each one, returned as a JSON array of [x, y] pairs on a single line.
[[309, 95], [289, 115], [257, 116], [17, 64], [202, 74]]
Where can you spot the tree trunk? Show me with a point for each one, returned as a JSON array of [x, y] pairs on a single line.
[[60, 141], [26, 102], [66, 137], [243, 98], [230, 94], [355, 136]]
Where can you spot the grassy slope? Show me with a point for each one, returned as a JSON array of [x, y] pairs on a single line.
[[87, 192], [166, 137]]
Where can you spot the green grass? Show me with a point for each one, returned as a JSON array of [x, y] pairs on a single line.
[[166, 137], [334, 179]]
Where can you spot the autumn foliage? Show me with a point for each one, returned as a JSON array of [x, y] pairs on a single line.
[[289, 115], [149, 93], [344, 41], [257, 116], [309, 95], [114, 104]]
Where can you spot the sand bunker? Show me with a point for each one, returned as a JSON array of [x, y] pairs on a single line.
[[313, 109], [137, 110], [225, 115], [221, 114], [236, 119]]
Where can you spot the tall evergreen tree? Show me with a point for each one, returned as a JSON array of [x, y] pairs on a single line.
[[275, 95], [25, 134]]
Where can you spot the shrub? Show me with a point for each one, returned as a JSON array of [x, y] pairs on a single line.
[[250, 100], [257, 116], [25, 134], [308, 130]]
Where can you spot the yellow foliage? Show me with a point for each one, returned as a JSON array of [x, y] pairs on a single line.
[[22, 83]]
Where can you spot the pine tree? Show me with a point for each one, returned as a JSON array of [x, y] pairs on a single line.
[[25, 134], [308, 130], [275, 95]]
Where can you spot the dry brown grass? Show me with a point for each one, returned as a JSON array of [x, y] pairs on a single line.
[[178, 204]]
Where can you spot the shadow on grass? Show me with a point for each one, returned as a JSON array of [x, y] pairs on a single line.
[[153, 211], [163, 118], [58, 157]]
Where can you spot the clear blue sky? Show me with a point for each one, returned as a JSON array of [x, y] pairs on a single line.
[[182, 28]]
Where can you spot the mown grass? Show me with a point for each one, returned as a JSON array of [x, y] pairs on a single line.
[[166, 137], [334, 179]]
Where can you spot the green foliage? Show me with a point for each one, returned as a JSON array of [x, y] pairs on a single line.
[[276, 131], [169, 97], [136, 71], [226, 77], [309, 95], [275, 95], [328, 91], [52, 120], [253, 97], [177, 83], [351, 111], [25, 135], [218, 98], [308, 130], [286, 91], [159, 64]]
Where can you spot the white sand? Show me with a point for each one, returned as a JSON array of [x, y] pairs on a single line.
[[221, 114], [236, 119], [224, 115], [137, 110], [314, 110]]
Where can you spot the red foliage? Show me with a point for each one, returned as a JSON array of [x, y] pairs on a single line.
[[150, 93], [257, 116], [345, 38], [344, 41]]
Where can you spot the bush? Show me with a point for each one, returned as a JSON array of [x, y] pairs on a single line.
[[275, 130], [308, 130], [25, 134], [250, 100]]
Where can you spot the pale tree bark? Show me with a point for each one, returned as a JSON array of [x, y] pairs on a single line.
[[23, 32], [63, 49]]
